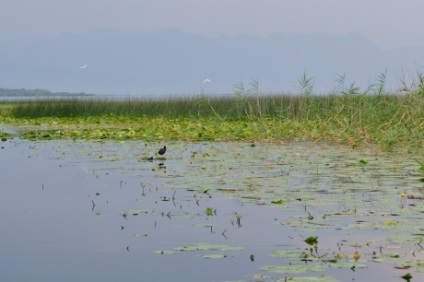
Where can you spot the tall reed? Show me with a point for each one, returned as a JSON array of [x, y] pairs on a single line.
[[348, 114]]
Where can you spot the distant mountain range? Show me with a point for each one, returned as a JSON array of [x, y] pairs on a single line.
[[171, 62]]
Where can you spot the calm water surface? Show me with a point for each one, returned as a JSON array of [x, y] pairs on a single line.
[[62, 207]]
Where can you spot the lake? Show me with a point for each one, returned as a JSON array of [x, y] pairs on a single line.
[[102, 211]]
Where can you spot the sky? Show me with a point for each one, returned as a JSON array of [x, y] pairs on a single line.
[[387, 23]]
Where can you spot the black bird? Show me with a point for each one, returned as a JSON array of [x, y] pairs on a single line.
[[162, 150]]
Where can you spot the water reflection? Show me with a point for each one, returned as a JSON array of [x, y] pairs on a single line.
[[98, 211]]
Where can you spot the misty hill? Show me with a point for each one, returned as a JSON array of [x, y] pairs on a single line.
[[173, 62]]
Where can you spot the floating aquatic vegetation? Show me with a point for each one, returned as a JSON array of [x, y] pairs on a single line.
[[320, 278], [210, 211], [312, 240], [407, 277], [269, 201], [208, 247], [294, 268], [277, 202], [136, 212]]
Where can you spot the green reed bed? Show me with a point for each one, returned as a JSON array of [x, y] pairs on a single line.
[[281, 107], [386, 121]]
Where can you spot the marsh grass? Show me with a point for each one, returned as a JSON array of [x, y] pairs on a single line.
[[345, 116], [352, 107]]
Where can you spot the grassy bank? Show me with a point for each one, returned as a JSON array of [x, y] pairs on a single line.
[[385, 121]]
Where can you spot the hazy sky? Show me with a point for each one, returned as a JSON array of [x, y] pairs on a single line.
[[388, 23]]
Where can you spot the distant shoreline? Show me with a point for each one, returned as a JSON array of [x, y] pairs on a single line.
[[21, 92]]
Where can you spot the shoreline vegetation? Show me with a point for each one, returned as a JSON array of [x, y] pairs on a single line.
[[346, 116]]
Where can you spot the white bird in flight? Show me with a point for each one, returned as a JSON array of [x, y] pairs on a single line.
[[207, 80], [83, 67]]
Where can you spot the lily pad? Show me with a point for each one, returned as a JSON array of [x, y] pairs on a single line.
[[277, 202]]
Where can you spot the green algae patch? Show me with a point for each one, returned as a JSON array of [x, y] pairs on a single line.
[[192, 129], [144, 128]]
